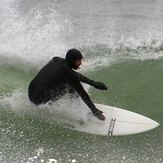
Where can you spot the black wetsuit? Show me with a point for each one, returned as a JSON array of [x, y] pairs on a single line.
[[54, 80]]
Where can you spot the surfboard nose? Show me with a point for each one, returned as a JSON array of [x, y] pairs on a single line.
[[118, 122]]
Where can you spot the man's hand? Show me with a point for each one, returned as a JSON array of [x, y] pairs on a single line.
[[100, 85], [98, 113]]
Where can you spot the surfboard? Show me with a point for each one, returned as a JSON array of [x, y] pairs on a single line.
[[118, 122]]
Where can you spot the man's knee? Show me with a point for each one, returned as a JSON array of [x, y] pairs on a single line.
[[73, 93]]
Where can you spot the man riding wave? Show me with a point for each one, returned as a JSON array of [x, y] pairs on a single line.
[[58, 77]]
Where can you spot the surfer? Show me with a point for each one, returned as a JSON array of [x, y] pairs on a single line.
[[58, 77]]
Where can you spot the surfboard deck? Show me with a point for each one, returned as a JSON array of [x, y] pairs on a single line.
[[118, 122]]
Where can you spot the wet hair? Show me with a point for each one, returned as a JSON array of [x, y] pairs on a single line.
[[71, 56]]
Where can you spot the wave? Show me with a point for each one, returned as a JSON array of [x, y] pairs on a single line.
[[32, 33], [100, 55], [105, 55]]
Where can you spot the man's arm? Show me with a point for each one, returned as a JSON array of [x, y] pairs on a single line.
[[85, 97], [86, 80]]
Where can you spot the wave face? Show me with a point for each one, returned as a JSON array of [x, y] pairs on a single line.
[[122, 47]]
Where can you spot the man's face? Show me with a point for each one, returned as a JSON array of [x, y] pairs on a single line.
[[78, 62]]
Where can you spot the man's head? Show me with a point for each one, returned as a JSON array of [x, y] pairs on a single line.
[[73, 58]]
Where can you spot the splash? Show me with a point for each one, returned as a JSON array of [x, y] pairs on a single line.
[[34, 36], [34, 32], [64, 112]]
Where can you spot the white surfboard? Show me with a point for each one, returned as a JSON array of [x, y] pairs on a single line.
[[118, 122]]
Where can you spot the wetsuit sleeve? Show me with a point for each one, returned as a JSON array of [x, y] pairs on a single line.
[[98, 85], [75, 82], [84, 79], [85, 97]]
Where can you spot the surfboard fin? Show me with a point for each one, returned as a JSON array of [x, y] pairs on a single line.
[[111, 127]]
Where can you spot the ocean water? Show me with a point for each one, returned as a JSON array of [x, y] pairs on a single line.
[[122, 44]]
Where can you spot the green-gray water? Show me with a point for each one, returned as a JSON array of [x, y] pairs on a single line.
[[122, 45]]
